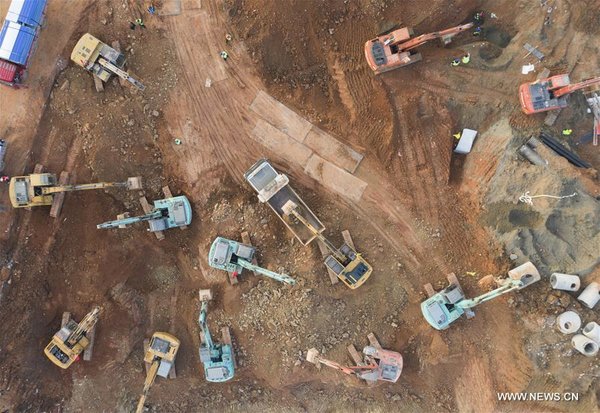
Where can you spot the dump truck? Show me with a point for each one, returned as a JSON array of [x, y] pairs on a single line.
[[273, 188], [102, 60]]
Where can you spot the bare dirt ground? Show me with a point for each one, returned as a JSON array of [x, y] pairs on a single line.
[[423, 214]]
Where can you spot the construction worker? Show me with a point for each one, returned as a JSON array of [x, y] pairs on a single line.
[[151, 9], [224, 54], [228, 37], [140, 22], [478, 18], [477, 31], [456, 135], [4, 178], [132, 25], [455, 62], [466, 58], [567, 132]]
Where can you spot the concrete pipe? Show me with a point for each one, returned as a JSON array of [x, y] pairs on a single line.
[[585, 345], [592, 331], [591, 295], [527, 273], [532, 156], [568, 322], [565, 282]]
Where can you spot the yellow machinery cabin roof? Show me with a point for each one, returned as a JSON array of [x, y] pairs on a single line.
[[86, 50]]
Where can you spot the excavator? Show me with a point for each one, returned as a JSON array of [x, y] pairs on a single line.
[[348, 265], [233, 257], [445, 307], [396, 49], [71, 340], [378, 365], [550, 93], [40, 189], [167, 213], [102, 60], [218, 358], [160, 359]]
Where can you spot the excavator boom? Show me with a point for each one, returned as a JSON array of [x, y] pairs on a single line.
[[506, 288], [150, 377], [576, 86], [155, 214], [284, 278], [85, 325], [424, 38], [121, 73]]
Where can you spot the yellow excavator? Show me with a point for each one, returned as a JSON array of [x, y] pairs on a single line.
[[40, 189], [71, 340], [160, 357]]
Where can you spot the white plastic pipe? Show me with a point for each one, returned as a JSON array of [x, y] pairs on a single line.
[[592, 331], [585, 345], [591, 295], [565, 282], [568, 322]]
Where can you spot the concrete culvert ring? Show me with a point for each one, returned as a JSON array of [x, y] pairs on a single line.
[[567, 325], [590, 348]]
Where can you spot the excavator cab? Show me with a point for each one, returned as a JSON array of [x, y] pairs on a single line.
[[26, 191], [60, 351], [353, 271]]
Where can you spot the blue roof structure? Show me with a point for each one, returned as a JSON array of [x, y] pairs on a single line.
[[16, 41], [27, 12]]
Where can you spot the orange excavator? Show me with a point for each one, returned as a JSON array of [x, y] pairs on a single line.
[[551, 93], [396, 49]]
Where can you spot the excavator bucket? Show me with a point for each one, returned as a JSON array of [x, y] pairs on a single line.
[[527, 273], [134, 183], [312, 356], [205, 295]]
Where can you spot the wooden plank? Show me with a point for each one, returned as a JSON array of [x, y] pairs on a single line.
[[38, 169], [147, 209], [146, 346], [65, 319], [355, 355], [543, 74], [226, 337], [331, 149], [374, 342], [98, 84], [59, 198], [348, 239], [325, 252], [552, 116], [429, 290], [89, 350]]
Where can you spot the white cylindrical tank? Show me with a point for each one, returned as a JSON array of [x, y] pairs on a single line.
[[568, 322], [590, 295], [565, 282], [585, 345], [592, 330]]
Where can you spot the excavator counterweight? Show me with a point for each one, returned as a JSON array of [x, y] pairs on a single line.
[[396, 49]]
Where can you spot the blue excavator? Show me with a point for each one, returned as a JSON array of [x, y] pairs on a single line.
[[445, 307], [233, 257], [218, 358], [166, 213]]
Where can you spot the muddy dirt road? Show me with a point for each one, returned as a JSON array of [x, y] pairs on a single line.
[[420, 212]]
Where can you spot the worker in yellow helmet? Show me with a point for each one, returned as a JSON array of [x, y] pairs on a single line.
[[455, 62], [567, 132], [456, 135], [466, 58]]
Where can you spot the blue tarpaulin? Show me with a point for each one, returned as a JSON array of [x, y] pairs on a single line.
[[16, 41], [27, 12]]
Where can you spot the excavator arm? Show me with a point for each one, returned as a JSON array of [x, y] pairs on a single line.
[[155, 214], [424, 38], [284, 278], [208, 342], [84, 326], [131, 183], [506, 288], [347, 369], [121, 73], [565, 90], [150, 377]]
